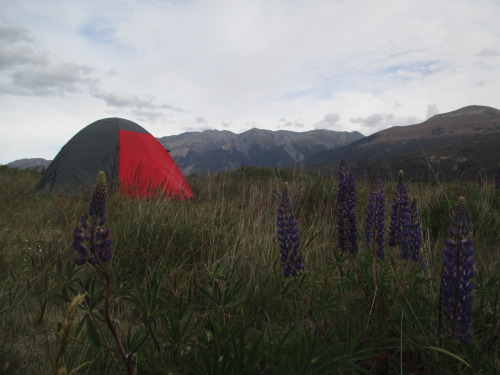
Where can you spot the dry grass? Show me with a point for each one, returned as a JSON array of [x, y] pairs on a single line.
[[219, 255]]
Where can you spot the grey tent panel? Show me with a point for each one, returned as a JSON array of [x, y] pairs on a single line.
[[93, 149]]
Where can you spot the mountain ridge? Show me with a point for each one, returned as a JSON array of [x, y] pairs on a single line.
[[447, 139], [217, 150]]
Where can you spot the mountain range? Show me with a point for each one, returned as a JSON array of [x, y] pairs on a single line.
[[468, 137], [441, 145], [215, 150]]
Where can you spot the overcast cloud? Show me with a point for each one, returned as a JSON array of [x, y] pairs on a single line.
[[174, 66]]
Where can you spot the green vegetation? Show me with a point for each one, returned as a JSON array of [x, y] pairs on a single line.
[[197, 287]]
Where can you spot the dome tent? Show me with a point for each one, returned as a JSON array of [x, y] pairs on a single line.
[[133, 160]]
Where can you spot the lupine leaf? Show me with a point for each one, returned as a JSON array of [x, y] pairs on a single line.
[[79, 367], [93, 333], [450, 354]]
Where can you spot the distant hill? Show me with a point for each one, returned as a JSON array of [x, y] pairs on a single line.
[[217, 150], [440, 145], [35, 163]]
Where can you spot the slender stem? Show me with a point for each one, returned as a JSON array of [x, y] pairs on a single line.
[[402, 276], [401, 344], [374, 272], [357, 273], [105, 343], [112, 327], [440, 313]]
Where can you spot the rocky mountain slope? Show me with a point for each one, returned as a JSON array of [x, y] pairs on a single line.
[[223, 150], [36, 163], [470, 136]]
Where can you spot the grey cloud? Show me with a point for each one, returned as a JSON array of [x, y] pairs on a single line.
[[126, 100], [13, 34], [328, 122], [408, 120], [432, 110], [58, 80], [14, 56], [489, 52], [148, 116], [196, 128], [292, 124], [200, 120], [380, 121], [121, 100], [16, 50], [331, 117], [283, 123], [397, 105], [374, 120], [28, 71]]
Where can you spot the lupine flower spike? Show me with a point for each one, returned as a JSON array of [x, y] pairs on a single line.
[[456, 280], [288, 236], [90, 239], [375, 218], [399, 212], [411, 241], [346, 205]]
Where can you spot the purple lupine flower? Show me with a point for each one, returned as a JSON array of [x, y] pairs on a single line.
[[346, 205], [411, 239], [375, 218], [90, 238], [456, 284], [288, 236], [399, 212]]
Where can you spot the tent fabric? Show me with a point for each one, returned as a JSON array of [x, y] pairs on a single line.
[[133, 160]]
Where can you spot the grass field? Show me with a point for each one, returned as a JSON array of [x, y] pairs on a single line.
[[197, 287]]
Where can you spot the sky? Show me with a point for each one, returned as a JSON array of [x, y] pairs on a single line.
[[192, 65]]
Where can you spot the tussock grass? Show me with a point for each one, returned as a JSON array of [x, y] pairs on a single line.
[[223, 305]]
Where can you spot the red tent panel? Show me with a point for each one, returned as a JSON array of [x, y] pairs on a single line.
[[145, 168]]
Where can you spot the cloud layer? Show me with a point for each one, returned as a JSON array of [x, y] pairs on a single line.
[[174, 66]]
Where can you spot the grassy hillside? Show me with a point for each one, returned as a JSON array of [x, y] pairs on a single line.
[[469, 136], [197, 287], [441, 163]]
